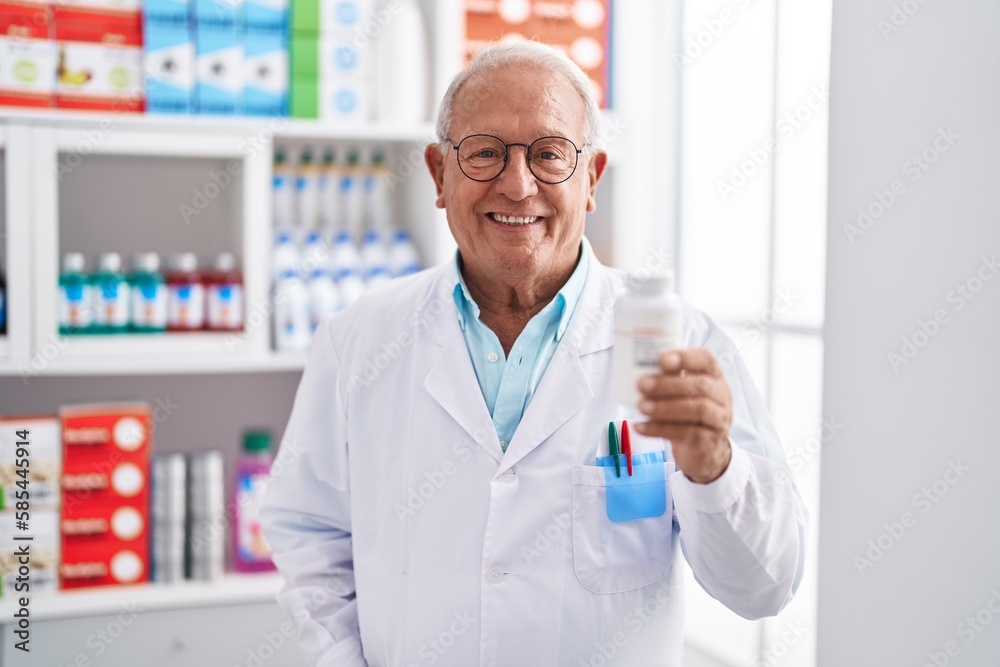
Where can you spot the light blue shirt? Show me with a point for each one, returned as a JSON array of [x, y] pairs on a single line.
[[508, 383]]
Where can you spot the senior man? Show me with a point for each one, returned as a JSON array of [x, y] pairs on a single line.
[[448, 510]]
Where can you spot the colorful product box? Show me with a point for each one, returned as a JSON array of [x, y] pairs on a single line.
[[219, 88], [265, 91], [98, 67], [28, 57], [169, 62], [43, 554], [347, 16], [44, 460], [303, 97], [344, 100], [104, 526], [339, 59], [115, 17]]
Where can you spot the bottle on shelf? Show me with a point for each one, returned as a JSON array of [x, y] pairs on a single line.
[[373, 255], [291, 313], [149, 294], [186, 294], [76, 302], [402, 63], [282, 192], [352, 195], [324, 297], [224, 294], [351, 286], [252, 552], [206, 518], [378, 203], [111, 295], [344, 255], [315, 253], [306, 193], [286, 255], [3, 305], [402, 256], [329, 196]]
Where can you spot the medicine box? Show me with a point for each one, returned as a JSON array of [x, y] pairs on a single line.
[[268, 16], [105, 510], [219, 13], [220, 73], [170, 12], [344, 100], [43, 458], [116, 17], [266, 74], [169, 62], [98, 66]]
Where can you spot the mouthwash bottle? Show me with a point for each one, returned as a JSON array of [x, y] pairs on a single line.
[[76, 306], [252, 552], [111, 295], [149, 294]]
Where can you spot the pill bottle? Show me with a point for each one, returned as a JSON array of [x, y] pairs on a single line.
[[649, 320]]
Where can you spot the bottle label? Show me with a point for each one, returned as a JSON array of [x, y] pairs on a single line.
[[75, 306], [225, 306], [111, 307], [637, 354], [251, 547], [186, 306], [149, 306]]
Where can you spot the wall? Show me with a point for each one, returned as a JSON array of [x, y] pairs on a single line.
[[900, 571]]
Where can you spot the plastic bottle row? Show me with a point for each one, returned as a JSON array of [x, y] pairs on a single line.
[[337, 192], [327, 272], [146, 300]]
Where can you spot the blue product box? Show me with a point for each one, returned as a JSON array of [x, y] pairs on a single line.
[[218, 13], [219, 89], [169, 64], [170, 12], [266, 16], [265, 91]]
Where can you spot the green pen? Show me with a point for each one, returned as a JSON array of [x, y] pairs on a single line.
[[613, 447]]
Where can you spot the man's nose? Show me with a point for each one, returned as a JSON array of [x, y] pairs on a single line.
[[516, 181]]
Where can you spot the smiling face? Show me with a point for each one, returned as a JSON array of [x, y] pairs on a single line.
[[516, 229]]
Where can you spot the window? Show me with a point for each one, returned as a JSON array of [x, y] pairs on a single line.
[[751, 252]]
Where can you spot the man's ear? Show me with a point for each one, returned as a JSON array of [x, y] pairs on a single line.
[[595, 169], [435, 164]]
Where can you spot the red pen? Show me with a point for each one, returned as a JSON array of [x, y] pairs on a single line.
[[627, 446]]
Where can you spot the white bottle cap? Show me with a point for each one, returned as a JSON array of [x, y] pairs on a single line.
[[658, 282], [145, 262], [184, 261], [74, 262], [224, 261], [109, 261]]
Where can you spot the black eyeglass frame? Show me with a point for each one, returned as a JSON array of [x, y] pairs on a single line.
[[506, 156]]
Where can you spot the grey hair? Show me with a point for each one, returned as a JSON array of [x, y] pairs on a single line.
[[529, 54]]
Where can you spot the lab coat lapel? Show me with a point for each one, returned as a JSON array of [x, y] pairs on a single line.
[[565, 387], [452, 381]]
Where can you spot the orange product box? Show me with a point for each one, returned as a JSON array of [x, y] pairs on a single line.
[[27, 55], [104, 530]]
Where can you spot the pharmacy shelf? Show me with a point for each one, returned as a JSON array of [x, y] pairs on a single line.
[[248, 126], [232, 589]]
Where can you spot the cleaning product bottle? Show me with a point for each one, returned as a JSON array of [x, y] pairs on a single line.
[[402, 256], [111, 295], [377, 199], [149, 294], [286, 255], [324, 297], [186, 294], [252, 552], [76, 314], [224, 294], [373, 255], [648, 322]]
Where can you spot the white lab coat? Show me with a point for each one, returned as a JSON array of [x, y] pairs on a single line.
[[407, 537]]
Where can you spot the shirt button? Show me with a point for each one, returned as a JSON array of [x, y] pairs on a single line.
[[503, 445], [495, 576], [507, 476], [493, 357]]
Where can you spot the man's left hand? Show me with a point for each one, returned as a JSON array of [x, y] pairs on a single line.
[[689, 403]]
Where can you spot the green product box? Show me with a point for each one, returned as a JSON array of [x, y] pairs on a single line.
[[304, 55], [304, 92], [305, 16]]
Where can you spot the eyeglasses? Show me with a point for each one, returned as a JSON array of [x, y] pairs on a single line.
[[483, 157]]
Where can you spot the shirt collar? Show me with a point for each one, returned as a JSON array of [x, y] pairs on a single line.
[[566, 298]]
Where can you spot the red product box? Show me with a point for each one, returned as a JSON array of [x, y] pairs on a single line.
[[121, 17], [104, 530], [99, 61], [28, 56]]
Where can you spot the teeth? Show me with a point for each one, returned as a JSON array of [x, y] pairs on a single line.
[[514, 220]]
